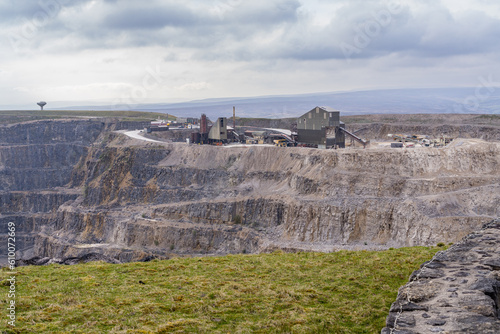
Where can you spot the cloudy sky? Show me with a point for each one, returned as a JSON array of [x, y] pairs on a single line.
[[129, 51]]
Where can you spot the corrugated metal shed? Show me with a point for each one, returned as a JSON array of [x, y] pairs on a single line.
[[311, 127], [218, 132], [318, 118]]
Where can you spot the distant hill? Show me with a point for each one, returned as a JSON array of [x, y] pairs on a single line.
[[407, 101]]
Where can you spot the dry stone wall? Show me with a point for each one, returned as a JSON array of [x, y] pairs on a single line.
[[458, 291]]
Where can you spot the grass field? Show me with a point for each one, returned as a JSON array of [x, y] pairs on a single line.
[[15, 116], [342, 292]]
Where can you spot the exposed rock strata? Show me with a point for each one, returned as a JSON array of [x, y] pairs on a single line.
[[458, 291], [37, 161], [87, 190]]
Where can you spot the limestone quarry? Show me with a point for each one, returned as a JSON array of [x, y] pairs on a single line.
[[79, 187]]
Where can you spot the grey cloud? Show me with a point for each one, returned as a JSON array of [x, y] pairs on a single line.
[[264, 13], [431, 33], [15, 11], [472, 33], [242, 30], [149, 17], [195, 25], [127, 15], [12, 10]]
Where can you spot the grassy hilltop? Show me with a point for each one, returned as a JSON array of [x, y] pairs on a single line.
[[16, 116], [341, 292]]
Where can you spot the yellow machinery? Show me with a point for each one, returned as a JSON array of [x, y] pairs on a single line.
[[280, 142]]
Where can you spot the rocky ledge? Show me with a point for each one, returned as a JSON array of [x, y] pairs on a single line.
[[458, 291], [89, 257]]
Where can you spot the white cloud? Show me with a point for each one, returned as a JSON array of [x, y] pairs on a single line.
[[101, 49], [193, 86]]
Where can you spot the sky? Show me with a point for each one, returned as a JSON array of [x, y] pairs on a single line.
[[129, 51]]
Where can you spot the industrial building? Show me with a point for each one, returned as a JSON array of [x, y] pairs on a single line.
[[216, 134], [158, 125], [321, 127], [218, 131]]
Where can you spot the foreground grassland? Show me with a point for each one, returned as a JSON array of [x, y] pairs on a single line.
[[342, 292]]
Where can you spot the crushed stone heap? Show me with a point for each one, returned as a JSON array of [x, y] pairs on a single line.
[[458, 291]]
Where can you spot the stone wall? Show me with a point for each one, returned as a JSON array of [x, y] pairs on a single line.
[[458, 291]]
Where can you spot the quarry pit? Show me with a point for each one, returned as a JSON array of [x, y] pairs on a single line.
[[76, 187]]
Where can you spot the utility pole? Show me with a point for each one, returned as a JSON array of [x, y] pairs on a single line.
[[234, 118]]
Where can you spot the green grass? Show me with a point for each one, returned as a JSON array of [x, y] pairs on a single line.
[[490, 117], [15, 116], [342, 292]]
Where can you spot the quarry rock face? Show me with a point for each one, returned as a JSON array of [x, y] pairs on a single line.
[[36, 162], [458, 291], [76, 188]]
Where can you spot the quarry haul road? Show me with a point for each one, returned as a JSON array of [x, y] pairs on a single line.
[[135, 134]]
